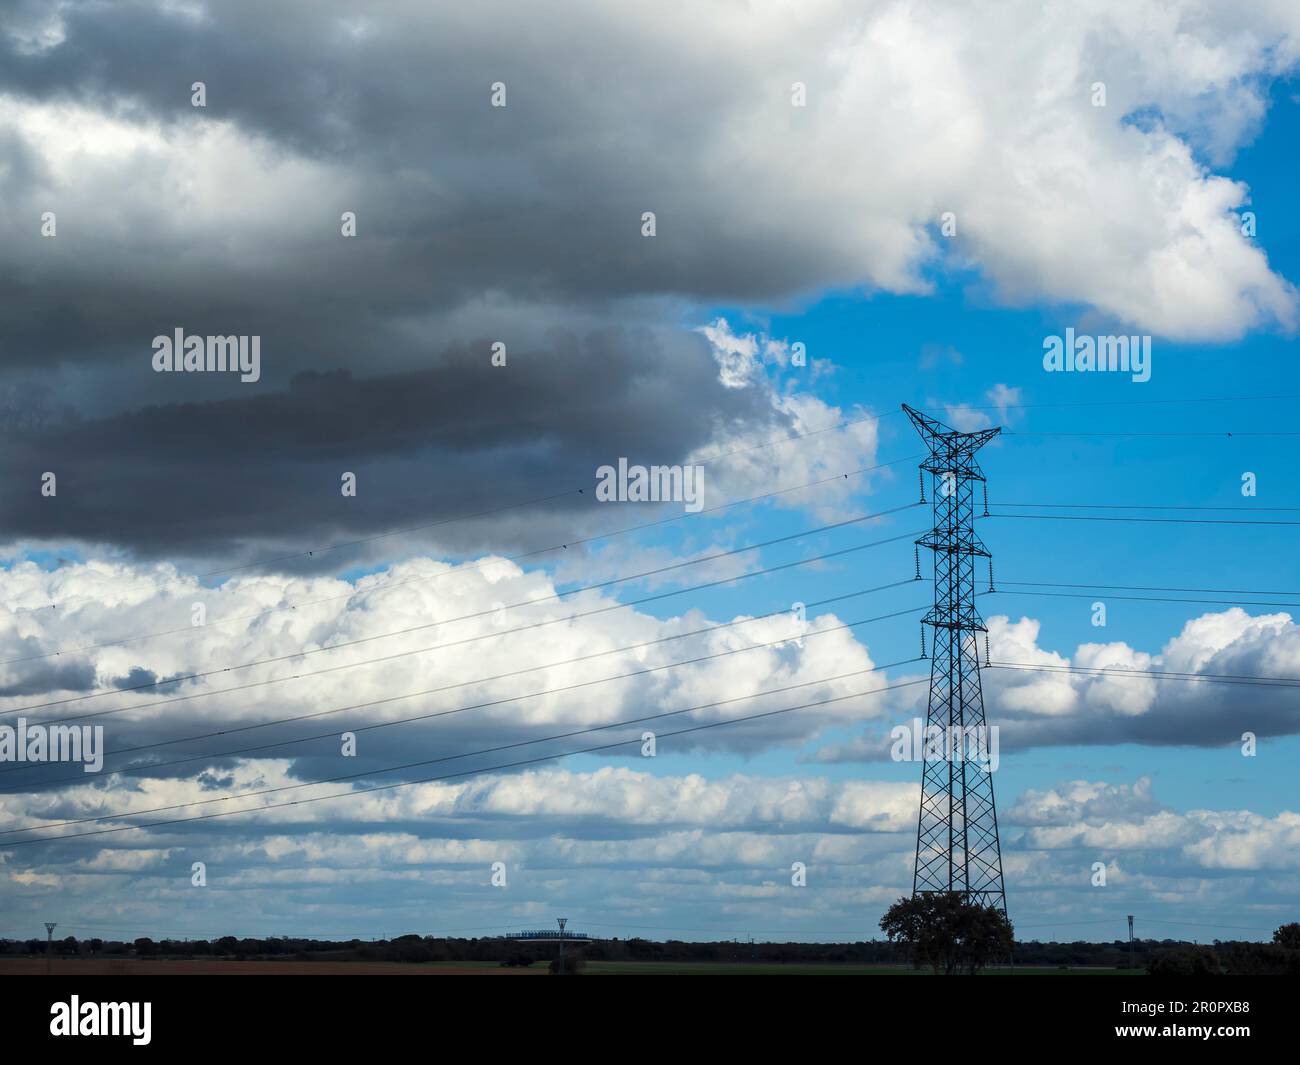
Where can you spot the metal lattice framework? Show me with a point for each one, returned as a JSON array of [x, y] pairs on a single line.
[[957, 848]]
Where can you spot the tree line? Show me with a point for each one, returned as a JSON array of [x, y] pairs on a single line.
[[941, 938]]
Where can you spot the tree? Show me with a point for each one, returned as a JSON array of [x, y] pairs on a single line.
[[517, 961], [1260, 959], [949, 933], [1288, 936], [1185, 961], [145, 947], [574, 964], [985, 935]]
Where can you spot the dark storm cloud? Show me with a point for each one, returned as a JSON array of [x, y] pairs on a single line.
[[475, 224], [198, 479], [62, 676], [540, 201]]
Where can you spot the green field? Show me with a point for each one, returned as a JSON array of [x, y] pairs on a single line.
[[686, 968], [36, 965]]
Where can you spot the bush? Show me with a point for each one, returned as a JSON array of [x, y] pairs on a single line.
[[517, 961], [1261, 959], [573, 965], [1185, 961]]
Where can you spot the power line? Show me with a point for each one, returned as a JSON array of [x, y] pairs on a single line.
[[354, 593], [720, 626], [426, 780], [1145, 920], [1128, 673], [1145, 588], [1150, 506], [732, 933], [1125, 402], [457, 643], [774, 442], [1155, 599], [1225, 434], [1205, 924], [1066, 924], [153, 766], [1117, 517], [619, 532], [468, 754], [717, 555]]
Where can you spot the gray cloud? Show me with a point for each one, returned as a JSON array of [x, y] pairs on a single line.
[[175, 215], [262, 471], [479, 224]]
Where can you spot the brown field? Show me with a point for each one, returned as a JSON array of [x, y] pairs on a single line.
[[224, 967]]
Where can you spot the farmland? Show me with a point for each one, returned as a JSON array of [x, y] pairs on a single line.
[[114, 966]]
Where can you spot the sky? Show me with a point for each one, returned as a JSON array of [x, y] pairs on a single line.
[[434, 222]]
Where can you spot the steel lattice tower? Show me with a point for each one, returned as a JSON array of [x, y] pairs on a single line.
[[957, 847]]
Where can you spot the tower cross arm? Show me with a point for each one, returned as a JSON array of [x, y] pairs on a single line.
[[942, 439]]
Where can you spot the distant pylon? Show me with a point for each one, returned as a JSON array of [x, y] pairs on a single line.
[[957, 847]]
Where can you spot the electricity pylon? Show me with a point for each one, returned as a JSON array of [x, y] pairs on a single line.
[[957, 847]]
